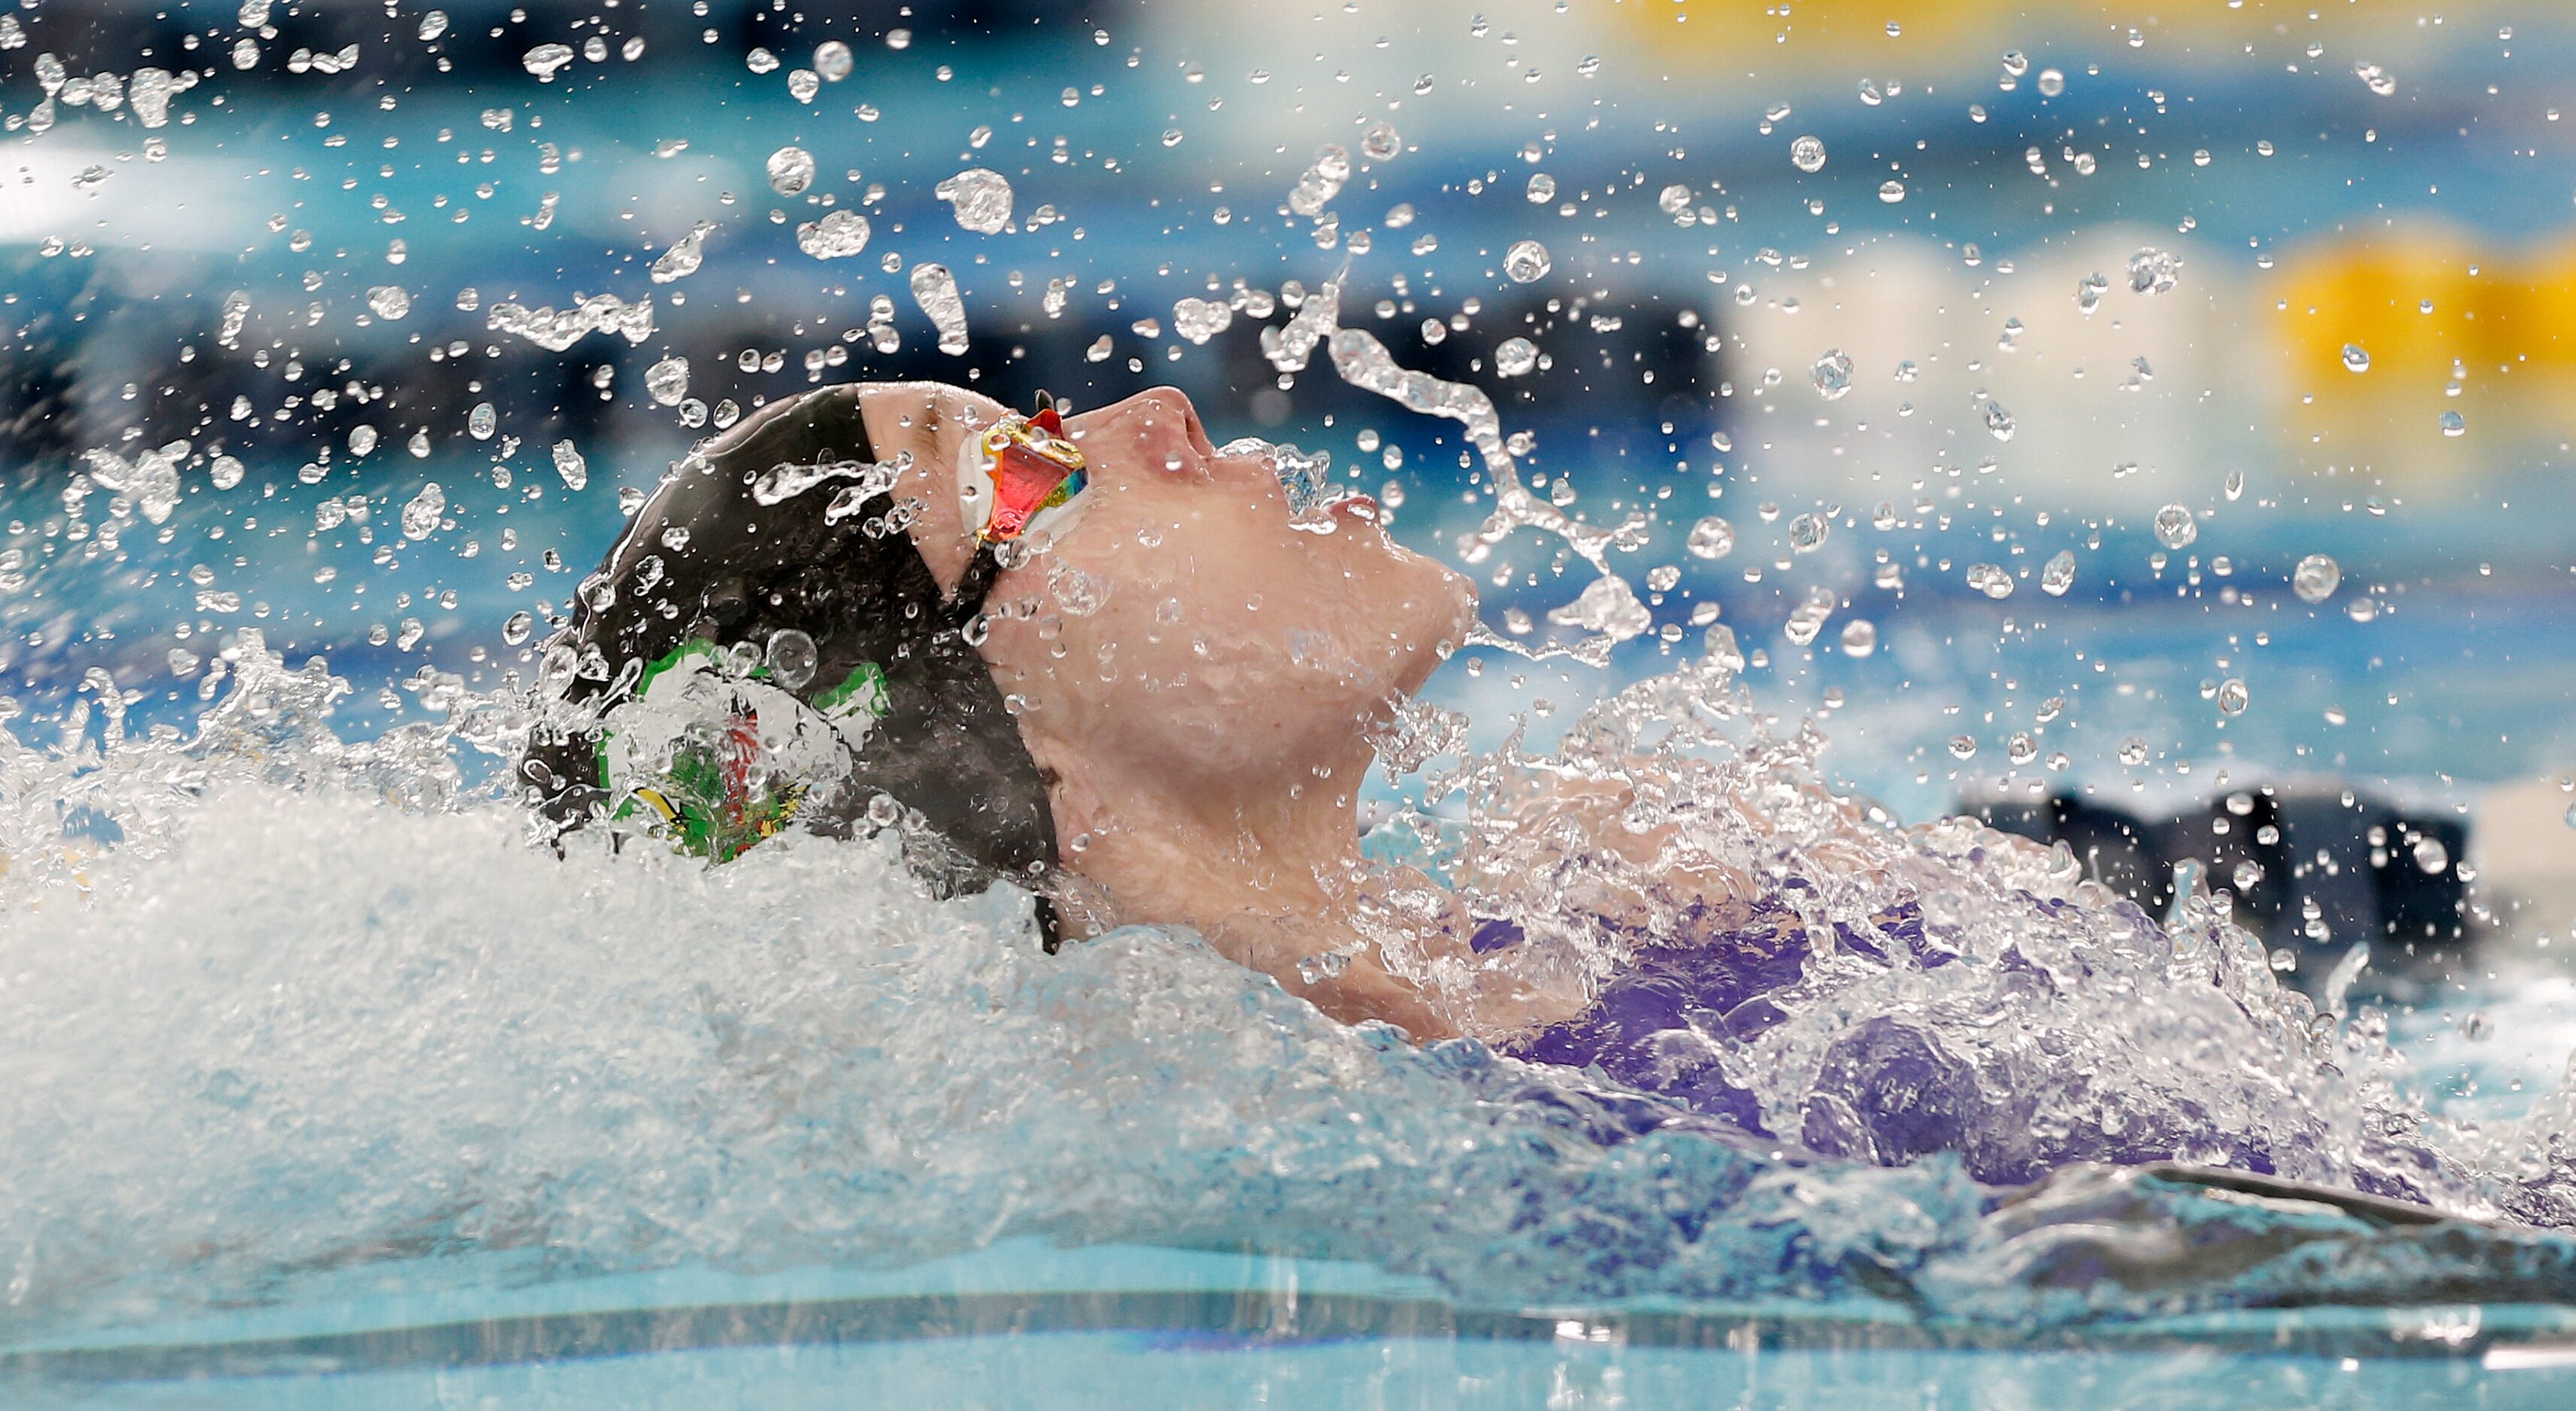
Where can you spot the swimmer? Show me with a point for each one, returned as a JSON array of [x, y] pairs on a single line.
[[1095, 657]]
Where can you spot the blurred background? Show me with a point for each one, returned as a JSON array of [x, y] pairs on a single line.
[[1918, 297]]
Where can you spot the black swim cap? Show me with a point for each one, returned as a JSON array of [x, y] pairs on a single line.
[[765, 648]]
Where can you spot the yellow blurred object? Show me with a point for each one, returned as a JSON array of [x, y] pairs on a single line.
[[1843, 30], [2445, 328]]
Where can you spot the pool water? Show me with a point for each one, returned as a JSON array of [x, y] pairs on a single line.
[[1135, 1326]]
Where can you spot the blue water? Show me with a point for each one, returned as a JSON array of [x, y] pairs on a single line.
[[1131, 1326]]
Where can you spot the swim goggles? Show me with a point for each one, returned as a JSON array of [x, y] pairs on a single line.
[[1018, 472]]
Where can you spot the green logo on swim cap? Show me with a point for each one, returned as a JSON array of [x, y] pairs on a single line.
[[713, 762]]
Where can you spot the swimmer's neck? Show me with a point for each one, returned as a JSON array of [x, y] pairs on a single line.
[[1267, 875]]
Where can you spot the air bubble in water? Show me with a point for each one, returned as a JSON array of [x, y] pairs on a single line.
[[2089, 291], [1807, 153], [803, 84], [516, 630], [226, 472], [1381, 143], [791, 170], [1515, 357], [1711, 538], [2058, 574], [421, 515], [2431, 855], [1860, 637], [2454, 424], [1832, 374], [1891, 192], [432, 25], [1963, 747], [2051, 83], [2232, 696], [2316, 578], [1673, 199], [832, 60], [935, 290], [2355, 358], [389, 301], [1999, 421], [791, 658], [1993, 580], [1807, 532], [2377, 79], [1526, 261], [2153, 271], [2133, 752], [1542, 188], [838, 235], [569, 464], [482, 421], [981, 198], [668, 381], [2175, 527]]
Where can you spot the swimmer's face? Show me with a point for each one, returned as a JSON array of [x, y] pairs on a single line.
[[1175, 621]]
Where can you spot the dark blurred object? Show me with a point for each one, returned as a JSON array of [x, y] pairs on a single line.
[[2312, 871]]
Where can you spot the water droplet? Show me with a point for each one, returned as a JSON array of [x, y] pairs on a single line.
[[1833, 374], [1673, 199], [2175, 526], [982, 199], [2089, 291], [2454, 424], [2234, 486], [1807, 619], [791, 658], [2431, 855], [1807, 153], [1807, 532], [1542, 188], [2058, 574], [1711, 538], [546, 59], [838, 235], [1891, 192], [2315, 579], [684, 256], [832, 60], [2051, 83], [421, 515], [1999, 421], [1993, 580], [2154, 271], [2377, 79], [482, 421], [1515, 357], [569, 464], [1381, 143], [2233, 697], [390, 301], [935, 290], [516, 630], [2133, 752], [2355, 359], [1962, 747], [1526, 261], [791, 170], [803, 84], [2016, 63], [2021, 748], [668, 381]]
